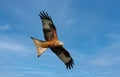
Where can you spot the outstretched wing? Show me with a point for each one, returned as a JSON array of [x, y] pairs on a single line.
[[63, 54], [48, 27]]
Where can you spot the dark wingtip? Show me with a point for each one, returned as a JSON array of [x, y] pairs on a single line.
[[38, 56], [70, 64], [44, 15], [32, 37]]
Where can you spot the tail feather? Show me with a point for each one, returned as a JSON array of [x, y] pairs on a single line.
[[38, 44]]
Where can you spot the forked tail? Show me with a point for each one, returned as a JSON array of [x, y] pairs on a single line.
[[38, 44]]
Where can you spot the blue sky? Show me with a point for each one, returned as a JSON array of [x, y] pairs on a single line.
[[90, 30]]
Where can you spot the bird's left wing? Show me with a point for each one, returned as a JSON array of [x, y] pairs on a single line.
[[49, 28], [63, 54]]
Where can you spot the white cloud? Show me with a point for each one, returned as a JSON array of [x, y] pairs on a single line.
[[105, 61], [12, 46], [11, 74], [5, 27], [109, 54]]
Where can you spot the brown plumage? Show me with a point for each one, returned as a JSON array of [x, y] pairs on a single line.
[[52, 41]]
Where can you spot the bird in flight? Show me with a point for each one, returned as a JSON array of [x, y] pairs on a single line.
[[52, 41]]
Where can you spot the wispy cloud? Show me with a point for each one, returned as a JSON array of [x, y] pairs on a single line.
[[105, 61], [24, 70], [11, 74], [5, 27], [109, 54], [12, 46]]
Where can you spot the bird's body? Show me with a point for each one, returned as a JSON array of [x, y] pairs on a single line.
[[51, 44], [52, 41]]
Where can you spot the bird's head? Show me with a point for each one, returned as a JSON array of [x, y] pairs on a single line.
[[59, 43]]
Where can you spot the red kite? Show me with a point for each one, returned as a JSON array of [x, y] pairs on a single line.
[[52, 41]]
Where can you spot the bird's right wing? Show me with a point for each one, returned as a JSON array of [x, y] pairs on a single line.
[[63, 54]]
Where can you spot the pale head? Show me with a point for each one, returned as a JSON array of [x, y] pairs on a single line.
[[59, 43]]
